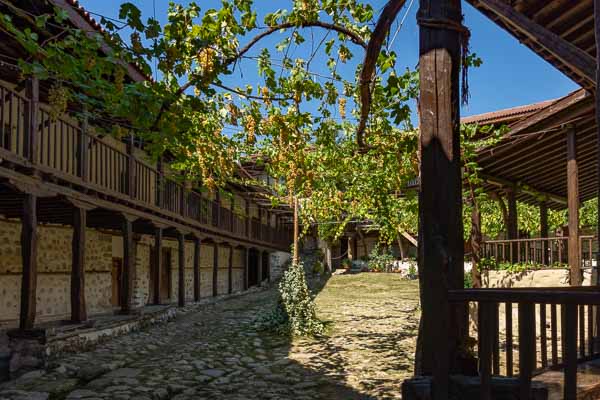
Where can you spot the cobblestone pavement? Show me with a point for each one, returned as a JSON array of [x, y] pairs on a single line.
[[213, 352]]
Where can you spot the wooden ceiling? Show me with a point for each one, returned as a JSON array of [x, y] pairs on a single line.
[[560, 31], [533, 155]]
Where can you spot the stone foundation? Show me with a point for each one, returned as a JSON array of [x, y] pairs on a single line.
[[552, 277]]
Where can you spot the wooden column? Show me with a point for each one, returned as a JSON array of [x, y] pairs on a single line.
[[215, 280], [157, 262], [232, 214], [128, 266], [218, 202], [78, 308], [82, 149], [260, 266], [597, 37], [181, 270], [31, 138], [246, 264], [573, 205], [268, 265], [441, 256], [230, 271], [196, 269], [512, 228], [544, 231], [29, 258]]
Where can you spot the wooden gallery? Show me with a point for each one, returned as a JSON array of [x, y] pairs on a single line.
[[91, 227]]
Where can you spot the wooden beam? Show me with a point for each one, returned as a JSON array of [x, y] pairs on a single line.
[[181, 270], [573, 197], [78, 306], [128, 266], [230, 271], [523, 187], [196, 269], [568, 54], [157, 263], [29, 257], [441, 253], [215, 281]]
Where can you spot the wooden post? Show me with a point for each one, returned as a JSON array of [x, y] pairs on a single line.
[[128, 266], [544, 231], [157, 255], [232, 214], [441, 254], [476, 239], [218, 202], [78, 308], [268, 265], [230, 271], [196, 269], [573, 204], [82, 149], [296, 257], [260, 267], [31, 134], [597, 38], [215, 281], [29, 258], [181, 271], [512, 228], [246, 263]]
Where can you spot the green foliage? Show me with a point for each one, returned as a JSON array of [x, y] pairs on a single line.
[[380, 260], [492, 264], [468, 280], [295, 313]]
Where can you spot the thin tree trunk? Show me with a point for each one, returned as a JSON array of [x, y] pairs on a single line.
[[296, 257]]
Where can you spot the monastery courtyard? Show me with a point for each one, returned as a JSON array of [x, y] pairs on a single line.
[[215, 352]]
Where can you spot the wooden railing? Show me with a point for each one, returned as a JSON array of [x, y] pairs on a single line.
[[550, 251], [556, 328], [68, 150]]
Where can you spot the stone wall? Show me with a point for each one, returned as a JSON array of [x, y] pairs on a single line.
[[239, 259], [279, 260], [537, 278], [206, 270], [54, 271]]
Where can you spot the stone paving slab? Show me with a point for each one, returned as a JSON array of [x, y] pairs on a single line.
[[213, 352]]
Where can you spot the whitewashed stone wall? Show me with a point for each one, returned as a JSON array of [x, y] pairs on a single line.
[[279, 260], [54, 271], [538, 278]]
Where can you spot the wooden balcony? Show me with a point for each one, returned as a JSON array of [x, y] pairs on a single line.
[[67, 153], [555, 329]]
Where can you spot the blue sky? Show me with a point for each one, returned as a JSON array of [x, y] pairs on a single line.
[[511, 74]]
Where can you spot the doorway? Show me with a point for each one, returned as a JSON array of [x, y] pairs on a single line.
[[252, 267]]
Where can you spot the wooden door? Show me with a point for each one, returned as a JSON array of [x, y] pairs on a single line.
[[116, 273], [165, 276]]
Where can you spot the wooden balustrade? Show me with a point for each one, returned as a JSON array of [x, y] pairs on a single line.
[[557, 329], [67, 149], [552, 251]]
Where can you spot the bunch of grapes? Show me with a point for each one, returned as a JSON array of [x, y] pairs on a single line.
[[206, 59], [342, 107], [119, 76], [250, 125], [58, 97]]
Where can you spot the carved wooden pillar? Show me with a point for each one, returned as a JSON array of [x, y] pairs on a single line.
[[29, 258], [441, 253], [215, 280], [78, 307], [196, 269], [573, 205], [181, 270], [128, 266], [157, 262]]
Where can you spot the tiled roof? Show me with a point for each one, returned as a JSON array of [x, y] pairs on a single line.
[[507, 115]]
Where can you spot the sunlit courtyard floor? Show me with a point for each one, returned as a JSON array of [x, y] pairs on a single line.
[[215, 353]]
